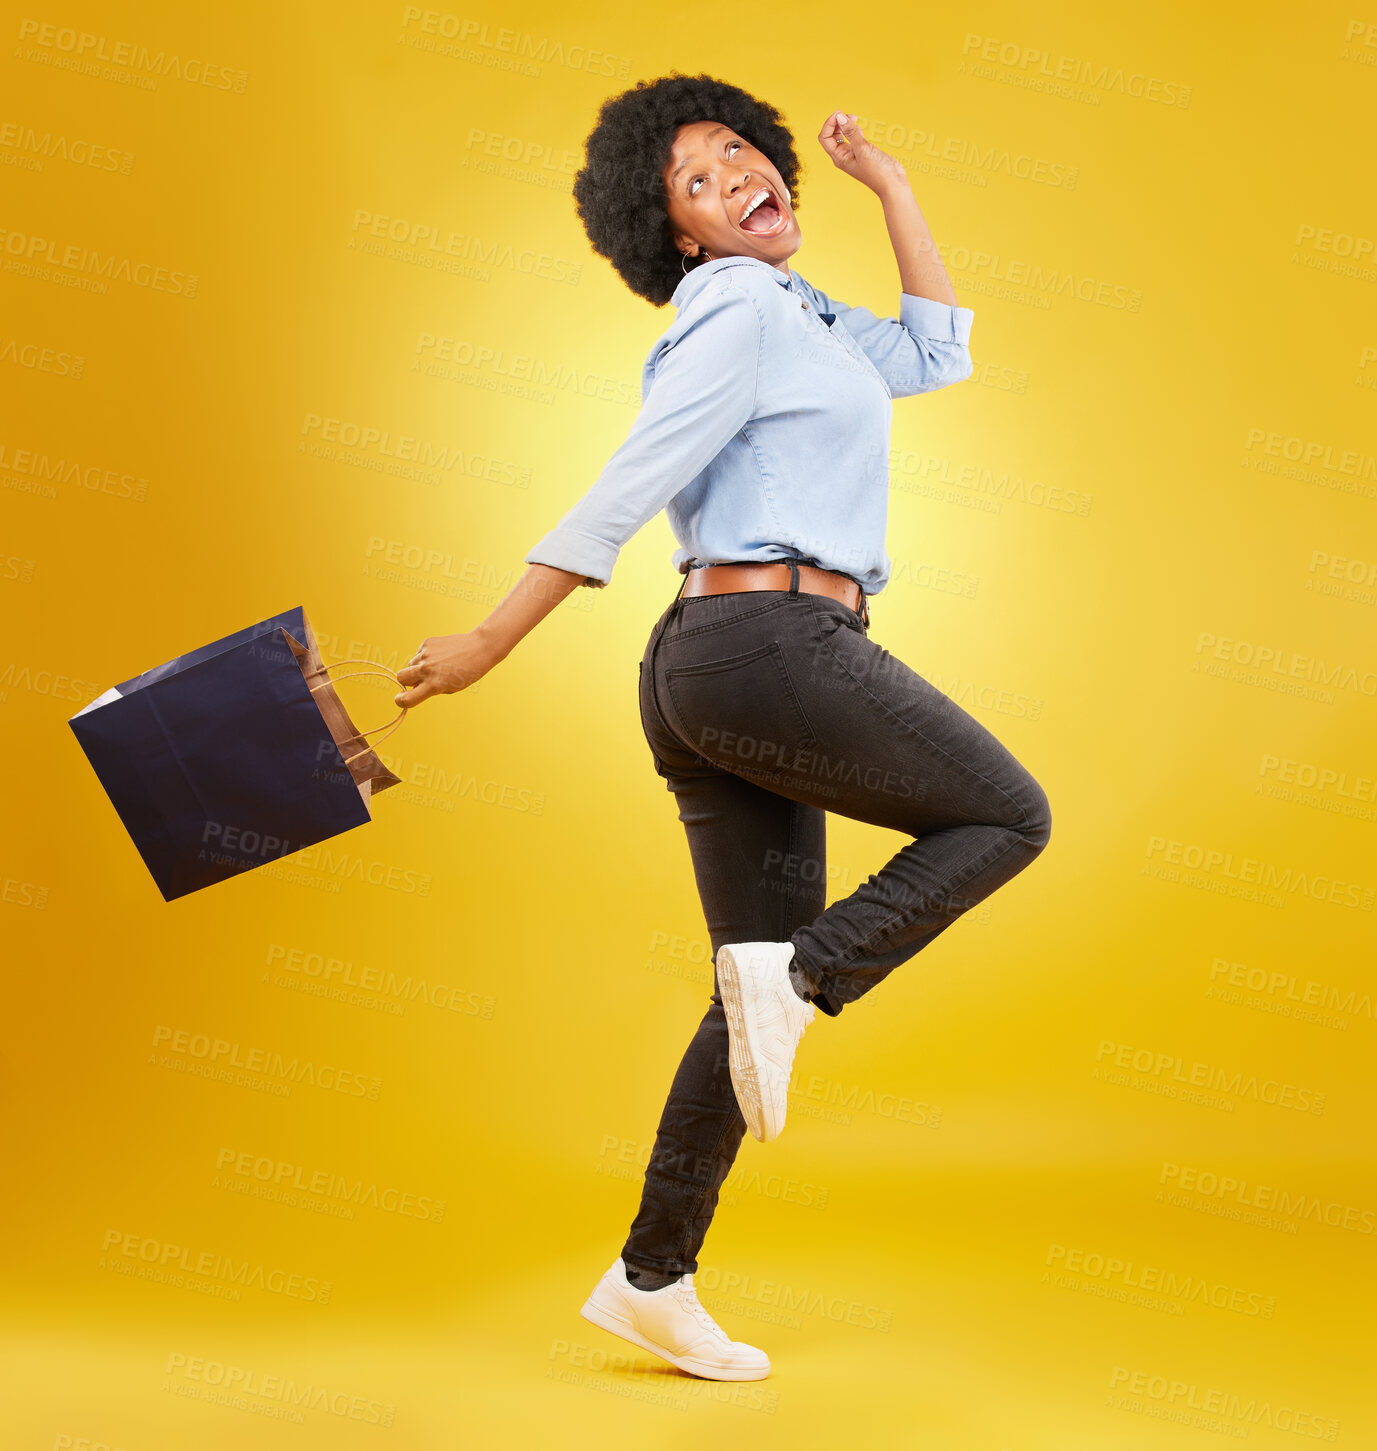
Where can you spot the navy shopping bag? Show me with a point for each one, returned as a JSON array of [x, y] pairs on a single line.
[[231, 756]]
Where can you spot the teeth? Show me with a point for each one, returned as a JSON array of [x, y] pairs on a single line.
[[762, 195]]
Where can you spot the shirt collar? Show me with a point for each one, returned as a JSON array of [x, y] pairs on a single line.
[[697, 278]]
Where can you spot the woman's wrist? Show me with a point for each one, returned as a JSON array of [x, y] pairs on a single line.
[[492, 639], [893, 189], [522, 608]]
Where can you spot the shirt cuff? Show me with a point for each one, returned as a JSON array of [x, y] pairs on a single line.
[[577, 552], [941, 321]]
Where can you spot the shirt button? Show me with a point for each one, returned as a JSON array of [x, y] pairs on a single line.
[[803, 305]]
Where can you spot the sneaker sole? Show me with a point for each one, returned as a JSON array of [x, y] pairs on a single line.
[[615, 1324], [739, 1046]]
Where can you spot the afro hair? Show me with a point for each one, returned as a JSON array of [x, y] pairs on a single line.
[[620, 191]]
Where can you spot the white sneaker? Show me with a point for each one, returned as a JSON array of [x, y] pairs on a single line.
[[765, 1020], [670, 1323]]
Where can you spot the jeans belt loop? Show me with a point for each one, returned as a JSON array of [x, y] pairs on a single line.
[[793, 577]]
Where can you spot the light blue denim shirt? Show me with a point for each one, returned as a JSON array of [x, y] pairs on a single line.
[[764, 426]]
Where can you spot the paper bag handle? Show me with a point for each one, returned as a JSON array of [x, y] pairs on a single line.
[[387, 675]]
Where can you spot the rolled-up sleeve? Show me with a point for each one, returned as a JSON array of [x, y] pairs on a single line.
[[703, 392], [926, 347]]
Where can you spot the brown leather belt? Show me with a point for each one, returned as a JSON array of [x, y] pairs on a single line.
[[719, 579]]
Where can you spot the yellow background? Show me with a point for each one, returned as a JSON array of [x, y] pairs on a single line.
[[913, 1253]]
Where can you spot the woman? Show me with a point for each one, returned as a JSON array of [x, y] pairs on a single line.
[[764, 433]]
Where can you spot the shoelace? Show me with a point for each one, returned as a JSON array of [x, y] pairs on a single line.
[[688, 1297]]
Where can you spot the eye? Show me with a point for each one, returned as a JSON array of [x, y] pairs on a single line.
[[693, 184]]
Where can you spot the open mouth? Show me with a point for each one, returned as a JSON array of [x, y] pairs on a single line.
[[762, 215]]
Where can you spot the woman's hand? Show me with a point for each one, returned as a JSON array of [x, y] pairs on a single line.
[[443, 665], [843, 140]]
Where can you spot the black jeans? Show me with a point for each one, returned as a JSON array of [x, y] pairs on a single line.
[[764, 710]]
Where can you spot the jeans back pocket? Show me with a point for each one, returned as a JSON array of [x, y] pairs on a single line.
[[742, 711]]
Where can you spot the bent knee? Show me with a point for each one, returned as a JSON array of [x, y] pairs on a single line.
[[1036, 827]]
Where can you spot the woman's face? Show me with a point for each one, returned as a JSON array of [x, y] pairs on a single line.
[[711, 180]]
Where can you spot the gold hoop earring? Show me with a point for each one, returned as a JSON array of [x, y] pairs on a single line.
[[683, 261]]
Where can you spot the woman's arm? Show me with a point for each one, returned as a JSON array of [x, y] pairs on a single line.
[[928, 345], [453, 662], [700, 382], [921, 273], [702, 394]]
